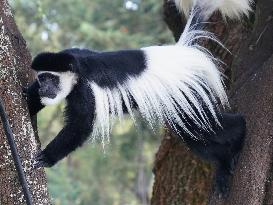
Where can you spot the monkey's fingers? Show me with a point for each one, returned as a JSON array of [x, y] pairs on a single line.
[[39, 156], [39, 164], [40, 161], [25, 92]]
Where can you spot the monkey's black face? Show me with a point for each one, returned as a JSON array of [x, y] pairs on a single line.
[[55, 86], [49, 85]]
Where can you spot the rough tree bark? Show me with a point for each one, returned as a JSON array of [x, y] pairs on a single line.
[[250, 68], [180, 177], [15, 72], [252, 95]]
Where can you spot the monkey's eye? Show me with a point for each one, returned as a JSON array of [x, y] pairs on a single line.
[[48, 78], [41, 78]]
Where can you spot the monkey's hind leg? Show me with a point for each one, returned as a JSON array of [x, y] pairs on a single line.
[[221, 147]]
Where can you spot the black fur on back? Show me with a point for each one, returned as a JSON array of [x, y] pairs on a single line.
[[109, 68], [104, 68]]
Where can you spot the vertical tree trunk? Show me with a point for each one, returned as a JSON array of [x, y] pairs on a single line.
[[250, 69], [180, 177], [15, 72], [252, 95]]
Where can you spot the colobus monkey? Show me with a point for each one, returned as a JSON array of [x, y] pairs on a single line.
[[175, 84]]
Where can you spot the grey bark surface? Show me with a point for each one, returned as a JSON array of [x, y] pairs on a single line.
[[252, 95], [15, 73]]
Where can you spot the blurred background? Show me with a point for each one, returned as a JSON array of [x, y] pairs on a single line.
[[120, 174]]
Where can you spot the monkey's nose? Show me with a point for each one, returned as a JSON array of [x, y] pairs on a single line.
[[46, 93], [42, 92]]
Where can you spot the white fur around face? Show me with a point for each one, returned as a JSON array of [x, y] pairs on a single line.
[[228, 8], [67, 82]]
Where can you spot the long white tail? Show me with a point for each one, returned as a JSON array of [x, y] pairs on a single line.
[[229, 8], [181, 84]]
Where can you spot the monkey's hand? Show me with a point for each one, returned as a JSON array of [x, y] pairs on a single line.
[[41, 160], [25, 92], [32, 96]]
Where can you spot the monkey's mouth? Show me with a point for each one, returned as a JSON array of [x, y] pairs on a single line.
[[47, 95]]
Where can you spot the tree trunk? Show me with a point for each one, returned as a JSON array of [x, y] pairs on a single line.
[[252, 95], [15, 73], [250, 68], [180, 177]]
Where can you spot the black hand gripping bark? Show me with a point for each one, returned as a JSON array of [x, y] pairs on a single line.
[[15, 155]]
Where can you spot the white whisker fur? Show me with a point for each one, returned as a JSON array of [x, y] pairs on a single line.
[[166, 90]]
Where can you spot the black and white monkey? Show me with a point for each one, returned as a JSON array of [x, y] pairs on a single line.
[[175, 84]]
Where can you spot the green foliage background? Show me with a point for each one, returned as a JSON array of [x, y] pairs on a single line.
[[91, 175]]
